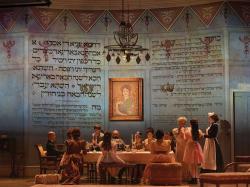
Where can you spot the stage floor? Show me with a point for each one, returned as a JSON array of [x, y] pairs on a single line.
[[97, 185], [28, 182]]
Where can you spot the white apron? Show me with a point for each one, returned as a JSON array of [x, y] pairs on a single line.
[[209, 152]]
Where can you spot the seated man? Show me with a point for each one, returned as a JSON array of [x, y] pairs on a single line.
[[116, 140], [97, 137], [50, 146]]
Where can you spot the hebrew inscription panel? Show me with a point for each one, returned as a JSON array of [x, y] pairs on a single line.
[[66, 82], [187, 78]]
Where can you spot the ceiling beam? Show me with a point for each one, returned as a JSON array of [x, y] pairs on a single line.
[[18, 3], [128, 4]]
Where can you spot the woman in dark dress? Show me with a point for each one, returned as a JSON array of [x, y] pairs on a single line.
[[73, 162], [213, 160]]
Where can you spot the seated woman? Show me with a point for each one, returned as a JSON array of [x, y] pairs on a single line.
[[162, 153], [75, 148], [170, 136], [150, 138], [138, 144], [109, 155]]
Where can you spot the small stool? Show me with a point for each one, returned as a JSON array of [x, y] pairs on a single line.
[[47, 179], [165, 173]]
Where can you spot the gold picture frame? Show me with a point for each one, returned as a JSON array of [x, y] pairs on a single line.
[[126, 99]]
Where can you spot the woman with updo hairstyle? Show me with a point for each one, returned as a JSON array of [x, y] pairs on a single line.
[[213, 160], [65, 156], [160, 146], [71, 167], [161, 150]]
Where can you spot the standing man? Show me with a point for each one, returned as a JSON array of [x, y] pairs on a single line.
[[179, 134]]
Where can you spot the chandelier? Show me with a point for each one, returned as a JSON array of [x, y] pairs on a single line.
[[126, 43]]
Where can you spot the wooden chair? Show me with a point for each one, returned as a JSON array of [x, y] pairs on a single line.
[[105, 177], [46, 162], [91, 171], [225, 178]]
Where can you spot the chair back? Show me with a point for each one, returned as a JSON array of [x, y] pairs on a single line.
[[46, 162], [41, 150]]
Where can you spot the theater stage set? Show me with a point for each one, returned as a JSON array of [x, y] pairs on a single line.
[[66, 63]]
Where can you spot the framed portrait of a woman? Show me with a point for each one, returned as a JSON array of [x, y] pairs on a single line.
[[126, 99]]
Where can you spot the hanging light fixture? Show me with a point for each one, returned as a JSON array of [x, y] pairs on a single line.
[[126, 42]]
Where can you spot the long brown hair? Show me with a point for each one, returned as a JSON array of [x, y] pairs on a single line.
[[194, 129], [106, 144]]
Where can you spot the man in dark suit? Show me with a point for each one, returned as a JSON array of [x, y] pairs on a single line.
[[50, 146]]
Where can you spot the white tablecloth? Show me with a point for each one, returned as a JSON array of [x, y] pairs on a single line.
[[131, 157]]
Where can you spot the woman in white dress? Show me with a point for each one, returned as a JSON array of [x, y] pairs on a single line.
[[213, 161], [150, 138], [109, 155]]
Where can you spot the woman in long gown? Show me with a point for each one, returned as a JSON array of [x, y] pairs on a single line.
[[161, 150], [193, 155], [73, 162], [109, 155], [179, 134], [65, 156], [213, 160]]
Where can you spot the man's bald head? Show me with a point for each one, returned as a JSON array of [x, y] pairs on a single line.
[[51, 136]]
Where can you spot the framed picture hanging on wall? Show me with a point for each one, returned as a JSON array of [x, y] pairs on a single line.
[[126, 99]]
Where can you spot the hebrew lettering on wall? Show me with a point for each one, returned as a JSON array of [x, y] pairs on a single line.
[[187, 78], [66, 82]]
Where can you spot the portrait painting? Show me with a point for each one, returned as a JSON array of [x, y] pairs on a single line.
[[125, 99]]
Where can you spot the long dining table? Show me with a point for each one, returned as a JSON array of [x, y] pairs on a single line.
[[138, 157], [135, 157]]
